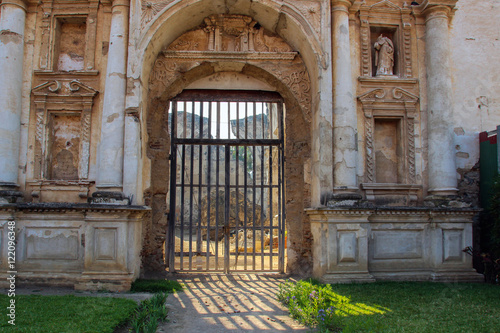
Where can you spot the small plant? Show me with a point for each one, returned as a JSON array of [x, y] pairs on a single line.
[[312, 304], [148, 313]]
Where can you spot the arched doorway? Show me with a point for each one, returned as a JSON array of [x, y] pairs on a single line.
[[270, 61], [227, 182]]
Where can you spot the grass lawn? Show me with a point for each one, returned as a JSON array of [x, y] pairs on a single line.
[[399, 307], [70, 313]]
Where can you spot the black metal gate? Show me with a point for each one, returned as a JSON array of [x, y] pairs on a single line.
[[227, 192]]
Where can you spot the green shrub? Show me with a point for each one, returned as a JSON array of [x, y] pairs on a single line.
[[154, 286]]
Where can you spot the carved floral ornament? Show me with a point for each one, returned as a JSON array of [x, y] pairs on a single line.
[[234, 38]]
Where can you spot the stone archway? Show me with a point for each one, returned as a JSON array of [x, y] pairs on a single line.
[[235, 44]]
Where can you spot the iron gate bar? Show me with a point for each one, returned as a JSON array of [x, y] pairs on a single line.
[[230, 142], [245, 230], [226, 211], [214, 95], [217, 192], [237, 167], [170, 255], [281, 219], [200, 180], [271, 217], [209, 181], [183, 175], [191, 189], [254, 174]]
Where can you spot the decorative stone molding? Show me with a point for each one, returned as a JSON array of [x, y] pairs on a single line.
[[65, 97], [235, 38]]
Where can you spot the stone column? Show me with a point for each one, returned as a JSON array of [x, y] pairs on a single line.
[[110, 158], [442, 169], [12, 20], [344, 107]]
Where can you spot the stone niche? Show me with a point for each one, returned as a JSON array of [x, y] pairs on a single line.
[[69, 46], [393, 22], [87, 247], [390, 170], [63, 110], [67, 33], [365, 245]]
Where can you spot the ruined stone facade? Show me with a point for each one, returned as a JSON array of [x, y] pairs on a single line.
[[383, 101]]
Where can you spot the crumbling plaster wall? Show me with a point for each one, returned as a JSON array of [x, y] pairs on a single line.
[[475, 51]]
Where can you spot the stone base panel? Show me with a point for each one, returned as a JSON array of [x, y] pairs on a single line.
[[401, 244], [88, 247]]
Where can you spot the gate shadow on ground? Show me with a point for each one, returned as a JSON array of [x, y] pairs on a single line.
[[228, 303]]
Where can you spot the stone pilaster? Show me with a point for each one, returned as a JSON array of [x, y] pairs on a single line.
[[344, 108], [12, 20], [110, 158], [442, 169]]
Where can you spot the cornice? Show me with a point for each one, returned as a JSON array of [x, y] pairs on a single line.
[[430, 7], [73, 207], [342, 5], [393, 211], [20, 3]]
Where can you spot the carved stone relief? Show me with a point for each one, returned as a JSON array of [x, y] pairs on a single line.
[[150, 8], [235, 38], [312, 12]]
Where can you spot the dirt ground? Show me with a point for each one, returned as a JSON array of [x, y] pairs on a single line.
[[212, 303]]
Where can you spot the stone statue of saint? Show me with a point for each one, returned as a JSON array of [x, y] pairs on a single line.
[[384, 56]]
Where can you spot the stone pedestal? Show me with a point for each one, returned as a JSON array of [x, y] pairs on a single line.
[[340, 248], [87, 247], [414, 244]]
